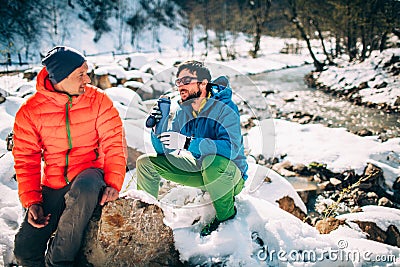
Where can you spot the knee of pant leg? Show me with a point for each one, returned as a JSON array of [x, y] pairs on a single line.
[[142, 160], [28, 256], [239, 186], [220, 169], [86, 188], [146, 165], [145, 160]]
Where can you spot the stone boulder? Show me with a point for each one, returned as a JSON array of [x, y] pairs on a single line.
[[367, 220], [287, 204], [284, 168], [100, 81], [30, 74], [327, 225], [128, 232], [145, 93], [372, 177], [391, 236], [396, 184]]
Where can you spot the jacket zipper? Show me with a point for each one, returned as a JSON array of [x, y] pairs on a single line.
[[68, 106]]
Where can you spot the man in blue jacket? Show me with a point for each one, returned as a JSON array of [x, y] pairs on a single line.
[[207, 124]]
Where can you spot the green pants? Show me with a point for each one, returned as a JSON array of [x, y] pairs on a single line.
[[216, 174]]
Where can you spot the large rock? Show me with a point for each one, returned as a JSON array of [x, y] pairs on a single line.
[[287, 204], [284, 168], [391, 236], [101, 81], [327, 225], [396, 184], [372, 230], [372, 177], [129, 233]]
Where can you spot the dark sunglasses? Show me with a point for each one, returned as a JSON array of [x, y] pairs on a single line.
[[184, 80]]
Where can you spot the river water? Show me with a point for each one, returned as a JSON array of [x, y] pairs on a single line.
[[280, 93]]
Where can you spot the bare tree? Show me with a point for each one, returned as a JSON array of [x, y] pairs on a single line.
[[259, 13], [294, 18], [136, 24], [321, 37]]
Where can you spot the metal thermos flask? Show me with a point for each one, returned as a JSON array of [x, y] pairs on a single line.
[[164, 104]]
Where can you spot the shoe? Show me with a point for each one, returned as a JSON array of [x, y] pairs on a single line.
[[209, 228], [213, 225]]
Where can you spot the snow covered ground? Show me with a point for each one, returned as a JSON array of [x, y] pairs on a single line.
[[287, 240]]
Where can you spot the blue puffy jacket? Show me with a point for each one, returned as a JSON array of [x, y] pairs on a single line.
[[215, 131]]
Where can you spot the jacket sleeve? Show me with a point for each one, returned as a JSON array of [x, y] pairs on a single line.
[[227, 142], [158, 146], [27, 157], [112, 142]]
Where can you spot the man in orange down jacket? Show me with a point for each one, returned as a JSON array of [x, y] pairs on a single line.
[[75, 129]]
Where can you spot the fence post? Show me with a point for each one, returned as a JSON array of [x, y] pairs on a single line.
[[9, 58]]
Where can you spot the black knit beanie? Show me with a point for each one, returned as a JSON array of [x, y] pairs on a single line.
[[61, 61]]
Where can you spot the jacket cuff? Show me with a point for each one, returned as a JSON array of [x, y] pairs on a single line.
[[30, 198], [187, 142]]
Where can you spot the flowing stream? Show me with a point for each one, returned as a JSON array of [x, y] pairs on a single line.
[[282, 92]]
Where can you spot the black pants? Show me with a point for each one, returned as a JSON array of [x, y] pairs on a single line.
[[71, 208]]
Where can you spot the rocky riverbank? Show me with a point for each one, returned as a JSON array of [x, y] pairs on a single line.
[[335, 195], [374, 83]]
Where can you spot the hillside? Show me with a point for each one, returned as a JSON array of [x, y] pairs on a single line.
[[289, 240]]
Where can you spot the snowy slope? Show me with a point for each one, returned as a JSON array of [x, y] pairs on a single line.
[[287, 239]]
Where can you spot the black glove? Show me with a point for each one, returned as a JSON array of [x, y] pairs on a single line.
[[154, 118]]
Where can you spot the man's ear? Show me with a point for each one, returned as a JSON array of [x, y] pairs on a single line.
[[203, 85]]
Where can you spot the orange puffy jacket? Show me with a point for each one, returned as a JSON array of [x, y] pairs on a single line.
[[71, 134]]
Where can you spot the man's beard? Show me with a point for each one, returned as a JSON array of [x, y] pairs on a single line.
[[193, 95]]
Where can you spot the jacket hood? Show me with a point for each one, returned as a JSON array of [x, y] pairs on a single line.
[[221, 93], [43, 83], [220, 89]]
